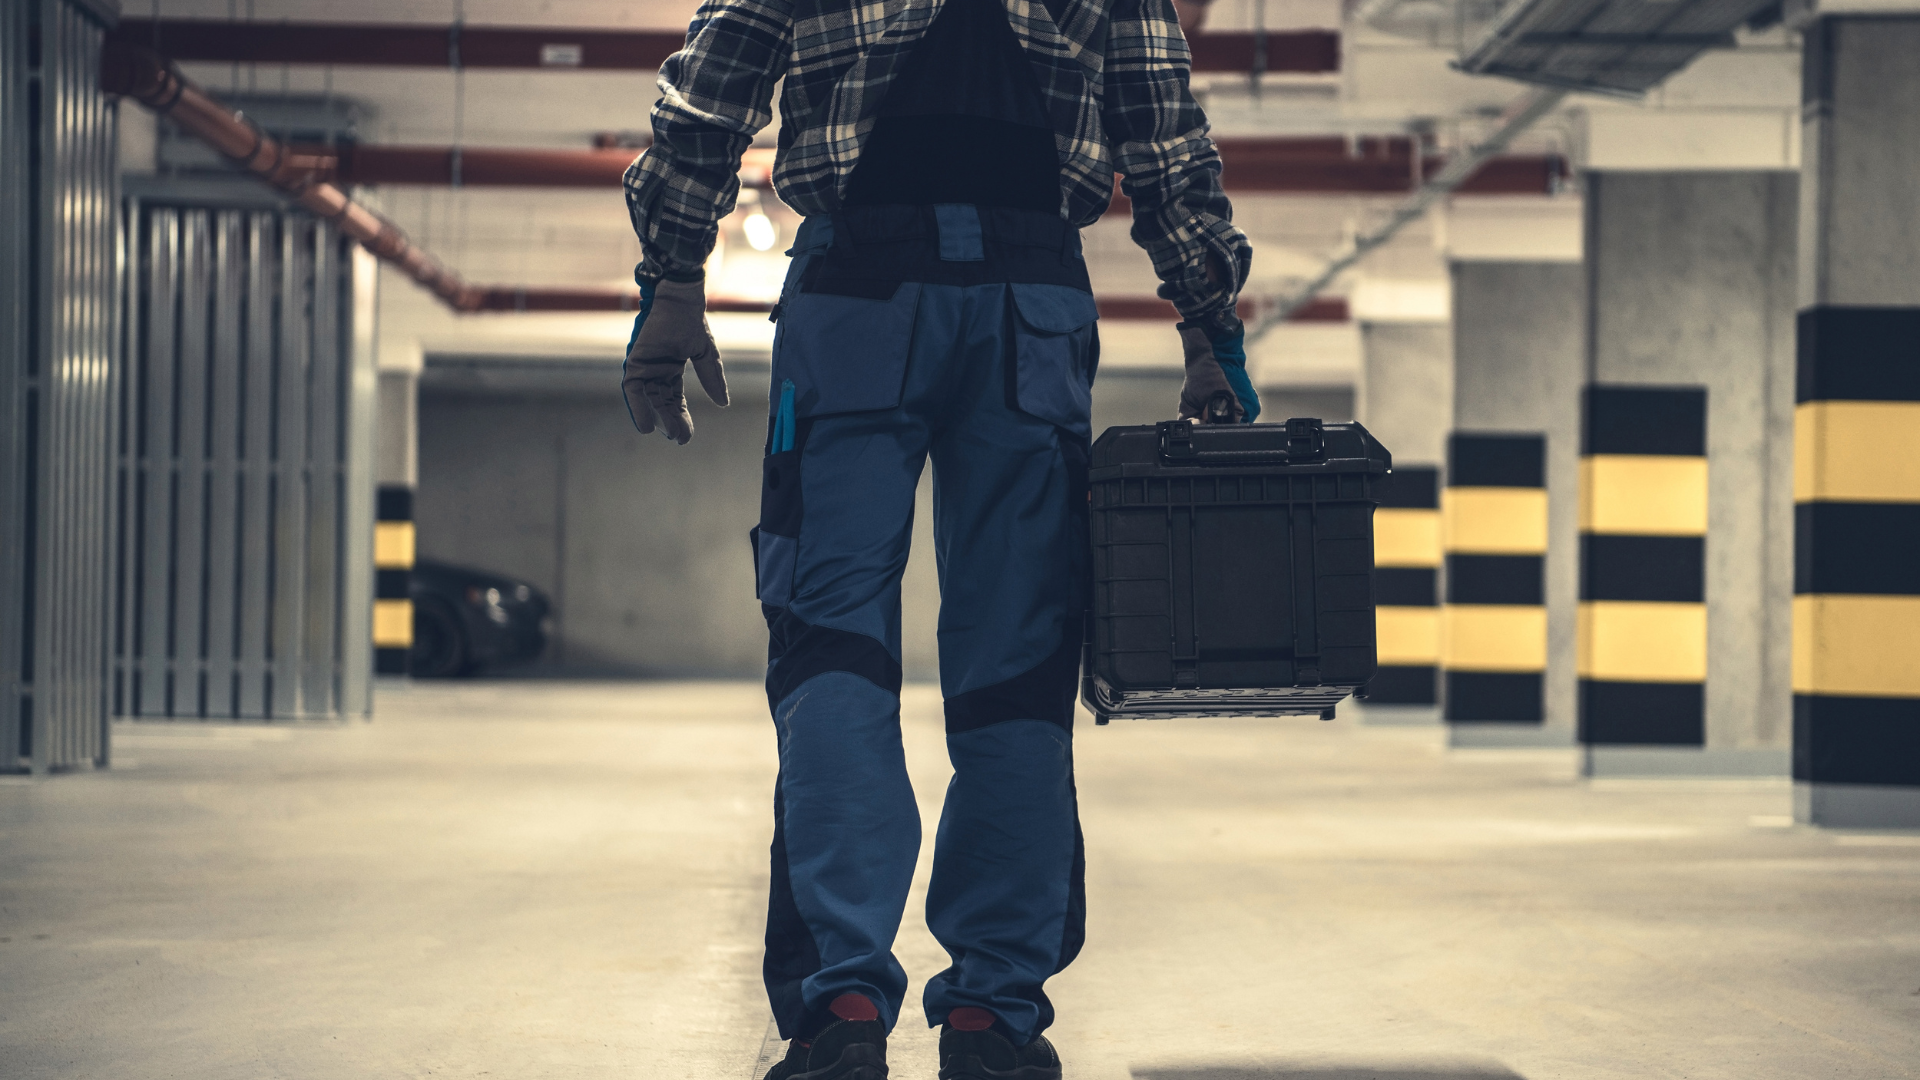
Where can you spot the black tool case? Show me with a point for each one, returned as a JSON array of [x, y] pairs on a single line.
[[1232, 569]]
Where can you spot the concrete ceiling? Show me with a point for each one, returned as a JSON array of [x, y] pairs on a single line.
[[1731, 110]]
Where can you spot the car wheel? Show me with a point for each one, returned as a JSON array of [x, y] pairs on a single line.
[[439, 642]]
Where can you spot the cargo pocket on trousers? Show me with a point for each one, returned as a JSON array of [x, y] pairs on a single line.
[[776, 540], [1053, 345], [845, 353]]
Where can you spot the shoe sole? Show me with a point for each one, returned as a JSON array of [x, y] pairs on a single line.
[[971, 1068], [860, 1061]]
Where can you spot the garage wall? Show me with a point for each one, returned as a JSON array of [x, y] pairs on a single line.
[[642, 544]]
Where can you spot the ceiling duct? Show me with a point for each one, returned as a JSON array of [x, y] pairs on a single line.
[[1617, 47]]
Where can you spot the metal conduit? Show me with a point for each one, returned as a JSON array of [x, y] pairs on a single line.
[[143, 75], [1520, 116]]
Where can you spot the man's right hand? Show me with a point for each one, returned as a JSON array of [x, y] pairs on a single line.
[[670, 330]]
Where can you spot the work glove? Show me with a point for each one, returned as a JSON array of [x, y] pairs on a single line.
[[1217, 389], [670, 330]]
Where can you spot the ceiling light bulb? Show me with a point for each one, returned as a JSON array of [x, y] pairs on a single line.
[[760, 231]]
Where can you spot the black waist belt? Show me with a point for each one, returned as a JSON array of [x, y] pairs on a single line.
[[875, 248]]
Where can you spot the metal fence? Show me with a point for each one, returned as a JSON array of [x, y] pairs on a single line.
[[244, 577], [58, 381]]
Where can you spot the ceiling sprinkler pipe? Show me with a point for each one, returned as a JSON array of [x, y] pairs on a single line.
[[145, 76]]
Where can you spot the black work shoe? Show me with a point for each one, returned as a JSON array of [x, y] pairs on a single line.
[[846, 1050], [988, 1055]]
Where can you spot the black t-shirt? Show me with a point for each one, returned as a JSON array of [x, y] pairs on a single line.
[[964, 122]]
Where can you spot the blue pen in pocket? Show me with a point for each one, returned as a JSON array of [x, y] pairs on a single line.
[[783, 420]]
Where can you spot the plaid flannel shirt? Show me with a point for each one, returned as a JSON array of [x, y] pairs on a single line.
[[1113, 74]]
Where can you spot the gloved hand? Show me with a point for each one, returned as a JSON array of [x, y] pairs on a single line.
[[1217, 389], [670, 329]]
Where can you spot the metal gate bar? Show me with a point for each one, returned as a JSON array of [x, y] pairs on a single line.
[[58, 383], [238, 602]]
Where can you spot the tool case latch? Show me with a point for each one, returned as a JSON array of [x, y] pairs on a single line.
[[1176, 440], [1306, 439]]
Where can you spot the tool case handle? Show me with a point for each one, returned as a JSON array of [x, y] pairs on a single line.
[[1298, 441]]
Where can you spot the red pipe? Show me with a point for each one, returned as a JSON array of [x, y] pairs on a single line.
[[1297, 52], [402, 44], [494, 166], [479, 166], [429, 45]]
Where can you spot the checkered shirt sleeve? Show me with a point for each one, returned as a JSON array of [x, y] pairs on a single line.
[[1169, 167], [715, 94]]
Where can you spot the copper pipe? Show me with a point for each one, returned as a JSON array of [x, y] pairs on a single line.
[[497, 167], [479, 166], [154, 82]]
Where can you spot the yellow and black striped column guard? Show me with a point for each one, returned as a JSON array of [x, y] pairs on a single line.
[[1856, 578], [1406, 560], [1493, 640], [393, 544], [1642, 639]]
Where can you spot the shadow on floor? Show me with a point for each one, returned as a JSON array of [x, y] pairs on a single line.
[[1487, 1070]]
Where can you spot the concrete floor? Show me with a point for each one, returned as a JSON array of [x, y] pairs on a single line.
[[559, 880]]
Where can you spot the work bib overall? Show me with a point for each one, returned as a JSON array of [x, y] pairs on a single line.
[[964, 336]]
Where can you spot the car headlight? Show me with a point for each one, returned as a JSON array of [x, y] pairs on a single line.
[[491, 601]]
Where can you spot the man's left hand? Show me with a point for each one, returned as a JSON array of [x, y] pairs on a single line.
[[670, 330], [1217, 389]]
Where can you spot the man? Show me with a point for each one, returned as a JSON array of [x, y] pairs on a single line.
[[945, 154]]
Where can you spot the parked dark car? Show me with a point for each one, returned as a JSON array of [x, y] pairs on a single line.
[[465, 620]]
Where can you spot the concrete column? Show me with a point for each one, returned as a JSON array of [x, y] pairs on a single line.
[[1688, 286], [396, 472], [1406, 389], [1406, 399], [1643, 525], [1493, 636], [1406, 558], [397, 432], [1856, 604], [1518, 329]]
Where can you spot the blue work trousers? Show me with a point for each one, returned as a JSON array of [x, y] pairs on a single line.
[[891, 351]]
